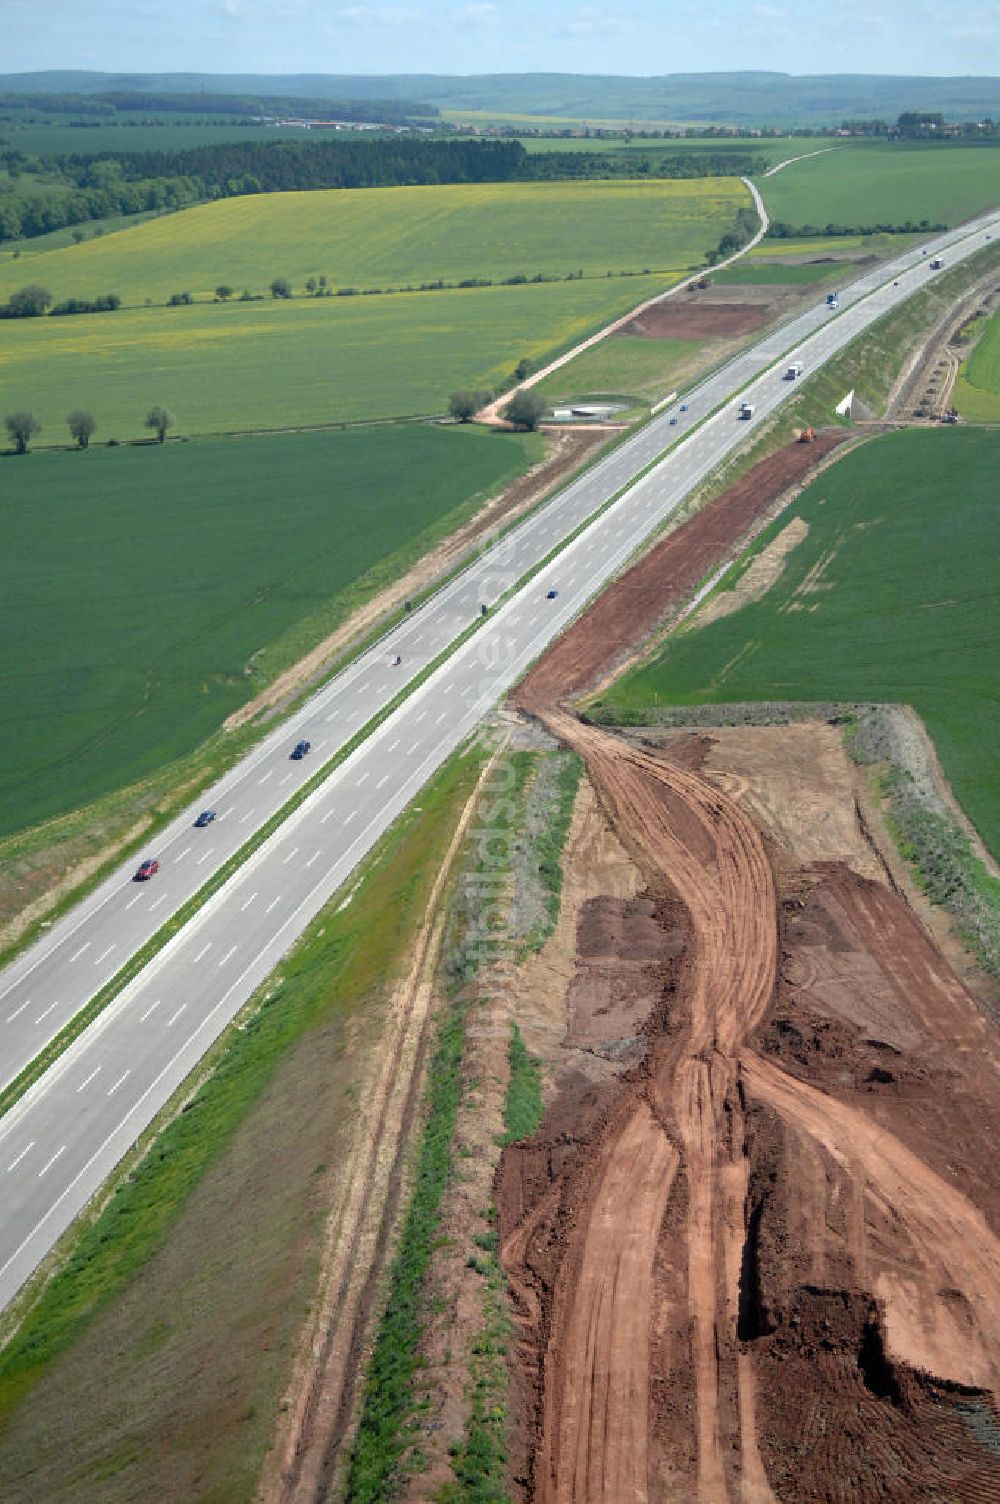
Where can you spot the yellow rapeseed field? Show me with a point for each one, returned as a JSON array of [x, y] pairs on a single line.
[[392, 237], [270, 363]]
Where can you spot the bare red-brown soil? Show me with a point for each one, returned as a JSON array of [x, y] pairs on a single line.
[[697, 319], [761, 1262]]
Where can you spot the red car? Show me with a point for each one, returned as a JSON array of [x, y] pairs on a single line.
[[147, 869]]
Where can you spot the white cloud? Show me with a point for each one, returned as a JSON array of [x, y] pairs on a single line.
[[379, 15], [480, 13], [592, 21]]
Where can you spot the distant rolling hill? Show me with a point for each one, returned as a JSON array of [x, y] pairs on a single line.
[[728, 98]]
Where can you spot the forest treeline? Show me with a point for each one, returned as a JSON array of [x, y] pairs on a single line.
[[105, 106], [45, 194]]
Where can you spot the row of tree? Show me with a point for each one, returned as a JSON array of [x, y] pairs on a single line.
[[779, 230], [32, 301], [52, 205], [22, 426]]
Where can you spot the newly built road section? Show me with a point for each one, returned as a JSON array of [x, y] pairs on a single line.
[[67, 1133]]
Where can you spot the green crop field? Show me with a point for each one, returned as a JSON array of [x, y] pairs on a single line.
[[398, 237], [977, 391], [894, 595], [269, 364], [309, 361], [137, 584], [878, 183]]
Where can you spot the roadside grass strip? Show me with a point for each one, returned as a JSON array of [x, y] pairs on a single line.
[[347, 951], [977, 390], [479, 1460], [523, 1107], [384, 1446]]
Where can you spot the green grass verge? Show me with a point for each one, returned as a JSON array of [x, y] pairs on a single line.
[[548, 846], [893, 596], [386, 1445], [624, 365], [977, 390], [766, 273], [523, 1108], [479, 1460], [374, 1472], [346, 954], [175, 582]]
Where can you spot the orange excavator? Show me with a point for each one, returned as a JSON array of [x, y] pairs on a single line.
[[807, 436]]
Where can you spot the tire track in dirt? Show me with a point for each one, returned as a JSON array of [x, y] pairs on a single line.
[[942, 1318], [679, 825], [596, 1413], [918, 1243]]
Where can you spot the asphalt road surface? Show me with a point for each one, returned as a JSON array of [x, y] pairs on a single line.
[[67, 1133]]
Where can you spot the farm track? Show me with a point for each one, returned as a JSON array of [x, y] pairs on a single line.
[[767, 1265]]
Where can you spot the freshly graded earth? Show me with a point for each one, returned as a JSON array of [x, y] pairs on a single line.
[[754, 1255]]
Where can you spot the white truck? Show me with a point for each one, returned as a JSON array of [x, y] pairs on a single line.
[[832, 300], [746, 409], [794, 371]]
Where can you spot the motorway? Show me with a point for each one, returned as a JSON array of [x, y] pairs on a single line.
[[63, 1138]]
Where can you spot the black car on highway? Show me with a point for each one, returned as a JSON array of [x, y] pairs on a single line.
[[299, 750]]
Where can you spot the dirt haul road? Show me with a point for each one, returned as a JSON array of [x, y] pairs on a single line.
[[766, 1267]]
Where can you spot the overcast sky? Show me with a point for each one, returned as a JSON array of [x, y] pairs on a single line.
[[496, 36]]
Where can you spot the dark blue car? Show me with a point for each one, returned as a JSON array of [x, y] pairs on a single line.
[[205, 818], [299, 750]]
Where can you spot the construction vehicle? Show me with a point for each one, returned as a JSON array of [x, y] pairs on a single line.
[[794, 370], [807, 436], [746, 410]]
